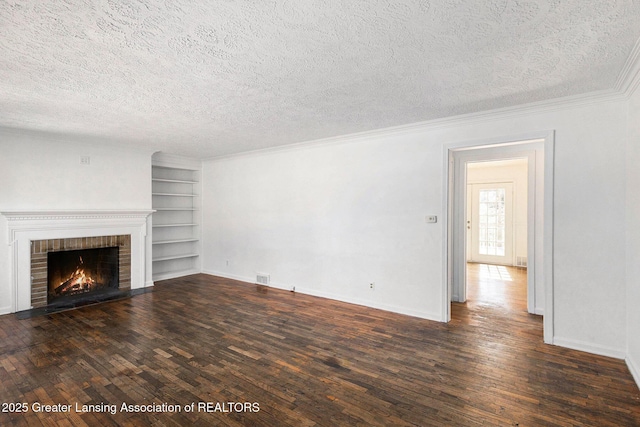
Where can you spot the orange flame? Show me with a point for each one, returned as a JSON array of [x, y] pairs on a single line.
[[78, 279]]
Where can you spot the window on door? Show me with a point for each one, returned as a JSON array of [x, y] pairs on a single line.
[[491, 216]]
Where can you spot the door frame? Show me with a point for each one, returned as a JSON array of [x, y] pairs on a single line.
[[538, 148]]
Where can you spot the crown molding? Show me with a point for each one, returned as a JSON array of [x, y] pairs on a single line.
[[539, 107], [627, 83], [629, 77]]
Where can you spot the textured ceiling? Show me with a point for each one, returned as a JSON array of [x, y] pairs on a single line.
[[206, 78]]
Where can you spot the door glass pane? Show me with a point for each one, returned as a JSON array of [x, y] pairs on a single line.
[[492, 222]]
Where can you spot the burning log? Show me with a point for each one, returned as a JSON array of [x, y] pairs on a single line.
[[76, 283]]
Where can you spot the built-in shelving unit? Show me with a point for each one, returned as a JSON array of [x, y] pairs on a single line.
[[176, 222]]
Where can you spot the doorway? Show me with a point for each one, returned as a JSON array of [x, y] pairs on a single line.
[[538, 152], [496, 227]]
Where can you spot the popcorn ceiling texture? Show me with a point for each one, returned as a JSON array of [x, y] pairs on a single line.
[[207, 78]]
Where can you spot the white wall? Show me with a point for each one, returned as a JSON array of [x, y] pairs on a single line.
[[40, 172], [331, 218], [633, 237]]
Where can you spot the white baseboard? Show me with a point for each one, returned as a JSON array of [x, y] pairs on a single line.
[[539, 311], [341, 298], [5, 310], [371, 304], [149, 283], [589, 347], [230, 276], [634, 368]]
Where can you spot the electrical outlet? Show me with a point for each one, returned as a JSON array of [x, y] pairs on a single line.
[[85, 160], [431, 219], [372, 285]]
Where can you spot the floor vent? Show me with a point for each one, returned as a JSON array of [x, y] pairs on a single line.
[[521, 261], [262, 279]]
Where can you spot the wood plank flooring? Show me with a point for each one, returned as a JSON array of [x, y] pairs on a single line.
[[500, 286], [305, 361]]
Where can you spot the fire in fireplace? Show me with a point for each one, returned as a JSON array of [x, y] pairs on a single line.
[[78, 274]]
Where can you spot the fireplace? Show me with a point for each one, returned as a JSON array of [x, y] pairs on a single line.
[[81, 274], [74, 271], [33, 234]]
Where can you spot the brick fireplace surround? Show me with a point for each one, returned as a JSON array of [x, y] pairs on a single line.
[[34, 233], [40, 248]]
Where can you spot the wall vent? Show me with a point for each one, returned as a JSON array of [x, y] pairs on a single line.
[[262, 279], [521, 261]]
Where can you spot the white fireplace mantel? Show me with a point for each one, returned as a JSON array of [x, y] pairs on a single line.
[[27, 226]]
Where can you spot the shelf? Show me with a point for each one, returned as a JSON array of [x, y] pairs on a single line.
[[179, 181], [176, 199], [175, 194], [176, 168], [168, 258], [168, 242], [175, 225]]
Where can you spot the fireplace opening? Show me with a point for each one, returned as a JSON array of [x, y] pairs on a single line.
[[78, 275]]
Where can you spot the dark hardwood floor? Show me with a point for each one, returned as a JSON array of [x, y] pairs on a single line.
[[305, 361]]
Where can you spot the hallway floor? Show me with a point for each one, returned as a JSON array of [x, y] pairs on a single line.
[[497, 285]]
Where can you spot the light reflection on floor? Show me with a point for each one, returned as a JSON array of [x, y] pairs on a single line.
[[496, 296], [497, 285], [499, 272]]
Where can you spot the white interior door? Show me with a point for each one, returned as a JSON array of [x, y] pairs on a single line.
[[490, 223]]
